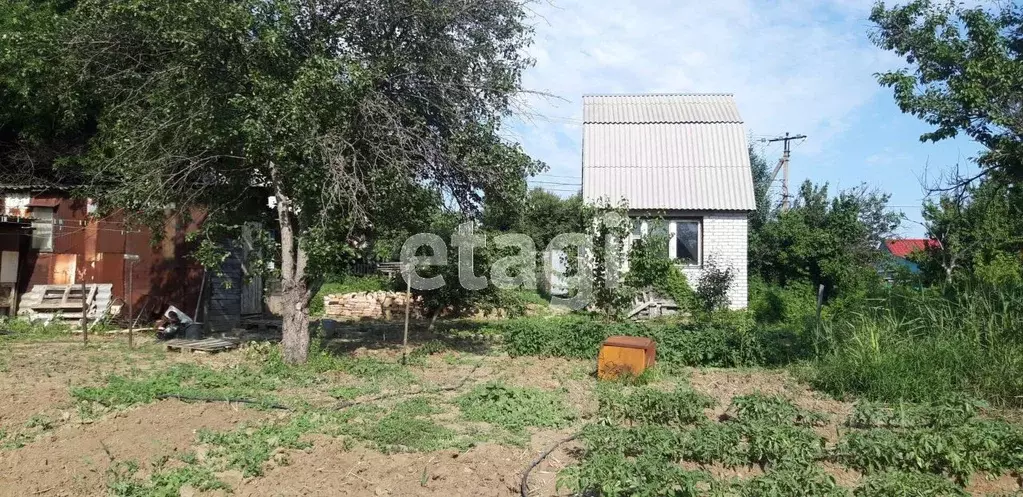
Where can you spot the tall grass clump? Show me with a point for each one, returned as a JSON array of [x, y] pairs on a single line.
[[923, 345]]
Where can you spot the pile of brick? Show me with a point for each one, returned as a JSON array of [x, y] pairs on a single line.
[[369, 305]]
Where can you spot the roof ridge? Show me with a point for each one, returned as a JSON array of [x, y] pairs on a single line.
[[679, 94]]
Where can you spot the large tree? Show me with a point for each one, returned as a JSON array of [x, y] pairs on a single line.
[[329, 107], [964, 76], [980, 231], [824, 240]]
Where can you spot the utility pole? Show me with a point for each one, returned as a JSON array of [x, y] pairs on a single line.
[[783, 165]]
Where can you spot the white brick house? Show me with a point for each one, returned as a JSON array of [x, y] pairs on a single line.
[[682, 158]]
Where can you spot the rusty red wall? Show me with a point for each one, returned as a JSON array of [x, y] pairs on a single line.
[[163, 275]]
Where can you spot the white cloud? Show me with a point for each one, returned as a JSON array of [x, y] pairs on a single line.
[[802, 66]]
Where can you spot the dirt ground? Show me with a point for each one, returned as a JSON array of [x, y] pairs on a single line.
[[68, 454]]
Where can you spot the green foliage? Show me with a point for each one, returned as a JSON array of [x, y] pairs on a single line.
[[650, 268], [963, 73], [614, 475], [907, 484], [722, 339], [397, 434], [980, 231], [248, 448], [514, 408], [793, 305], [123, 482], [646, 405], [604, 264], [823, 240], [957, 452], [712, 289], [347, 284], [761, 408], [406, 428], [948, 413], [17, 329], [926, 345], [180, 379], [808, 481]]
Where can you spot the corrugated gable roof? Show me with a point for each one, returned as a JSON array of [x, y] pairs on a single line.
[[679, 151], [903, 247], [661, 108]]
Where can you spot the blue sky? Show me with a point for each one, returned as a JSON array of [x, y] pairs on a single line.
[[802, 66]]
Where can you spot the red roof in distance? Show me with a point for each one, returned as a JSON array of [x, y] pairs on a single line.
[[904, 247]]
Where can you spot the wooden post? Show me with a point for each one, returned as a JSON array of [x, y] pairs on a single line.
[[85, 321], [131, 310], [408, 308]]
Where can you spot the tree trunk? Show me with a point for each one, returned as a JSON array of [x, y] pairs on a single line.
[[295, 288], [295, 328]]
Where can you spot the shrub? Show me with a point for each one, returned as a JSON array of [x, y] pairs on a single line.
[[794, 305], [650, 268], [721, 339], [712, 289]]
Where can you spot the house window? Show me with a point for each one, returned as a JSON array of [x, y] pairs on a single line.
[[42, 229], [686, 244], [16, 204]]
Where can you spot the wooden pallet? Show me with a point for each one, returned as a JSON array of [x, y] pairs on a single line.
[[206, 345]]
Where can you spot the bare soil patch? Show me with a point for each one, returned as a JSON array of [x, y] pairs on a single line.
[[484, 470], [73, 459]]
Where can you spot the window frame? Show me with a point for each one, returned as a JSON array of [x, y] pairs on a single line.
[[673, 244], [47, 222]]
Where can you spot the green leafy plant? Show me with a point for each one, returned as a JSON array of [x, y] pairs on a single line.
[[248, 448], [758, 407], [648, 405], [514, 408], [611, 474], [123, 482], [903, 484], [808, 481]]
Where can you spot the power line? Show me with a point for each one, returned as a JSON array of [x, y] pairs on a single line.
[[555, 183], [783, 165]]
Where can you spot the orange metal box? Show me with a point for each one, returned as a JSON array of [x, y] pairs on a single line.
[[625, 355]]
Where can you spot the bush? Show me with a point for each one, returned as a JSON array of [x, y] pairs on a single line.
[[712, 290], [794, 305], [348, 284], [722, 339]]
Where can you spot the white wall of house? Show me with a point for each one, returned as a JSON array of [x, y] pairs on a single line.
[[723, 240]]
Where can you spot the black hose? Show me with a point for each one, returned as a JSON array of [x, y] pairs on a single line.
[[421, 391], [524, 488], [223, 399]]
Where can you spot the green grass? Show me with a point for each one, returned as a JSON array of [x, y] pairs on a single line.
[[23, 330], [122, 480], [514, 408], [925, 345], [250, 447], [121, 391]]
